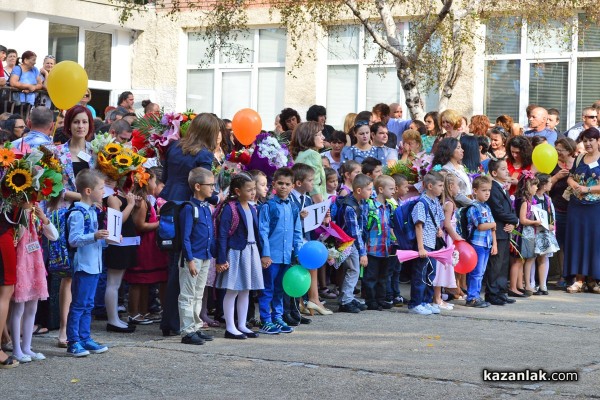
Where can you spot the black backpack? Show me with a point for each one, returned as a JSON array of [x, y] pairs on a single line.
[[168, 234]]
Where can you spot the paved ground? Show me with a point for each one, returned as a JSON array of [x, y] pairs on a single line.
[[373, 355]]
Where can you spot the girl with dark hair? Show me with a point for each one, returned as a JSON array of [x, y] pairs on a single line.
[[471, 158], [449, 155], [238, 258], [362, 149], [518, 154], [337, 140], [498, 136]]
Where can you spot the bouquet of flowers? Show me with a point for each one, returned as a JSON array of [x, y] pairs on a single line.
[[338, 243], [414, 169], [162, 128], [269, 155], [114, 159]]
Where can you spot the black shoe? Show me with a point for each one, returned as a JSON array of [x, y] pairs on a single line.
[[374, 307], [540, 292], [495, 301], [359, 305], [192, 338], [114, 328], [525, 292], [305, 321], [168, 332], [507, 299], [204, 336], [477, 303], [251, 335], [287, 318], [229, 335], [349, 308], [385, 305], [513, 294]]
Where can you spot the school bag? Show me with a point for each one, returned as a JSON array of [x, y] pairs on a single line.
[[341, 202], [404, 226], [462, 222], [60, 252], [168, 234], [235, 217]]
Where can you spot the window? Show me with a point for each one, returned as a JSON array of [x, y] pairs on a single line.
[[549, 67], [98, 48], [63, 41], [249, 75]]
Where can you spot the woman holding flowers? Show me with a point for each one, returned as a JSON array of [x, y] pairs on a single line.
[[75, 155]]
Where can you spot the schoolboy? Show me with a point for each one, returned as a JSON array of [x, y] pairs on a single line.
[[352, 219], [304, 176], [372, 167], [428, 217], [280, 232], [198, 246], [482, 236], [85, 237], [394, 266], [495, 278], [379, 244]]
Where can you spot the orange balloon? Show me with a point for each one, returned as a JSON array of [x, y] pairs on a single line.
[[246, 125]]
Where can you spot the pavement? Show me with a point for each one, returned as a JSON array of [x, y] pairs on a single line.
[[372, 355]]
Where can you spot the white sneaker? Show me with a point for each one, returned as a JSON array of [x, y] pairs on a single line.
[[434, 308], [445, 306], [421, 310]]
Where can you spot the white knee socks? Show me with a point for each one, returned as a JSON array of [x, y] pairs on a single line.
[[111, 297], [228, 311], [242, 310]]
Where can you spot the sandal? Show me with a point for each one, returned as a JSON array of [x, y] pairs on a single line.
[[9, 363], [62, 344], [40, 330], [576, 287]]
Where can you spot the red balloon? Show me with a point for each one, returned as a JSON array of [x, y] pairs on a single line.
[[467, 257], [246, 125]]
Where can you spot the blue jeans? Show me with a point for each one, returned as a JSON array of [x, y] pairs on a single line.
[[99, 306], [270, 302], [422, 276], [83, 289], [475, 277], [393, 278]]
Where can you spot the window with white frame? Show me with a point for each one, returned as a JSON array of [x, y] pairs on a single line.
[[232, 83], [357, 78], [550, 67]]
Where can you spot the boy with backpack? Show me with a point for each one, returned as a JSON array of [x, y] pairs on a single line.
[[379, 244], [86, 239], [352, 220], [196, 228]]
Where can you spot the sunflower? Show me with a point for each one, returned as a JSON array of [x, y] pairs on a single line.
[[6, 157], [112, 149], [18, 179], [102, 158], [123, 160]]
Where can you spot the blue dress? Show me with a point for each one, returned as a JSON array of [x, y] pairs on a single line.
[[583, 230]]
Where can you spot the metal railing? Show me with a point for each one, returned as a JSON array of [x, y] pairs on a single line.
[[10, 102]]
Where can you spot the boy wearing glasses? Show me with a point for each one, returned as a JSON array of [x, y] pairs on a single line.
[[197, 250]]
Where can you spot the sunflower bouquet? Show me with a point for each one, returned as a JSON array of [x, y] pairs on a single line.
[[116, 161]]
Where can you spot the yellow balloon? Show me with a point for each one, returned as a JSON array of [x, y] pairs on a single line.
[[545, 158], [66, 83]]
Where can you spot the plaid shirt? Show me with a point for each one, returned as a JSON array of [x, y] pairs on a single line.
[[420, 214], [354, 226], [480, 213], [379, 236]]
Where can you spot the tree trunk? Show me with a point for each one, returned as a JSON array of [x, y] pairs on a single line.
[[411, 91]]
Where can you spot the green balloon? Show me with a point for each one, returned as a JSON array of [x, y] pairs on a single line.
[[296, 281]]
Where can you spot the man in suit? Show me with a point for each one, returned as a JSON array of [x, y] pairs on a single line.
[[495, 278]]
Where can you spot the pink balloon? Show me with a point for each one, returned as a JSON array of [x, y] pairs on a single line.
[[467, 257]]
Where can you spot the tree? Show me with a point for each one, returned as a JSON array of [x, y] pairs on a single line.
[[440, 36]]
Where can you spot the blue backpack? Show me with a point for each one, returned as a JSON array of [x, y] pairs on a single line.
[[404, 226], [168, 234], [60, 253]]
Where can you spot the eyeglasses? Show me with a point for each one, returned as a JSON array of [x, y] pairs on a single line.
[[591, 116], [19, 126]]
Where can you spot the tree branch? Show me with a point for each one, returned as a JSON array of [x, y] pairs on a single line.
[[433, 26], [374, 34]]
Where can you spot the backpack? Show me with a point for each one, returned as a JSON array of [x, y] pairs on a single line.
[[404, 226], [373, 217], [341, 202], [235, 217], [60, 252], [168, 234], [462, 222]]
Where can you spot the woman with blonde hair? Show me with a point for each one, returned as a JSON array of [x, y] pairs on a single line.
[[349, 127]]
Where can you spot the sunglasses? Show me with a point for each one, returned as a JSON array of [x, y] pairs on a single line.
[[50, 57], [591, 116], [19, 126], [86, 96], [361, 123]]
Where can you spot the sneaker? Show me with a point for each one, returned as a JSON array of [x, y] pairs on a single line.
[[360, 305], [399, 301], [349, 308], [433, 308], [283, 327], [269, 328], [192, 338], [77, 350], [204, 336], [139, 320], [477, 303], [386, 305], [445, 306], [154, 316], [420, 309], [93, 347]]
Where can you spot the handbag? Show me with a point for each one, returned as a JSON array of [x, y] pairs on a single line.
[[545, 243]]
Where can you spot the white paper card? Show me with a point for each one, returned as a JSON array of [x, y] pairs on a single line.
[[540, 215], [593, 165], [31, 247], [108, 191], [114, 223], [316, 214], [83, 156]]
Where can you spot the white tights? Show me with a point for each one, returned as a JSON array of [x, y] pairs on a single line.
[[229, 304], [26, 311], [111, 297]]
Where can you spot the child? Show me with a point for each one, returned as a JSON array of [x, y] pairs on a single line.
[[379, 137], [325, 161], [337, 141], [197, 249], [527, 187], [545, 240], [444, 274], [331, 183], [238, 258], [353, 221], [428, 217], [482, 236], [348, 172], [394, 266], [280, 237], [378, 244], [372, 168], [31, 283], [496, 283], [85, 237], [262, 188]]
